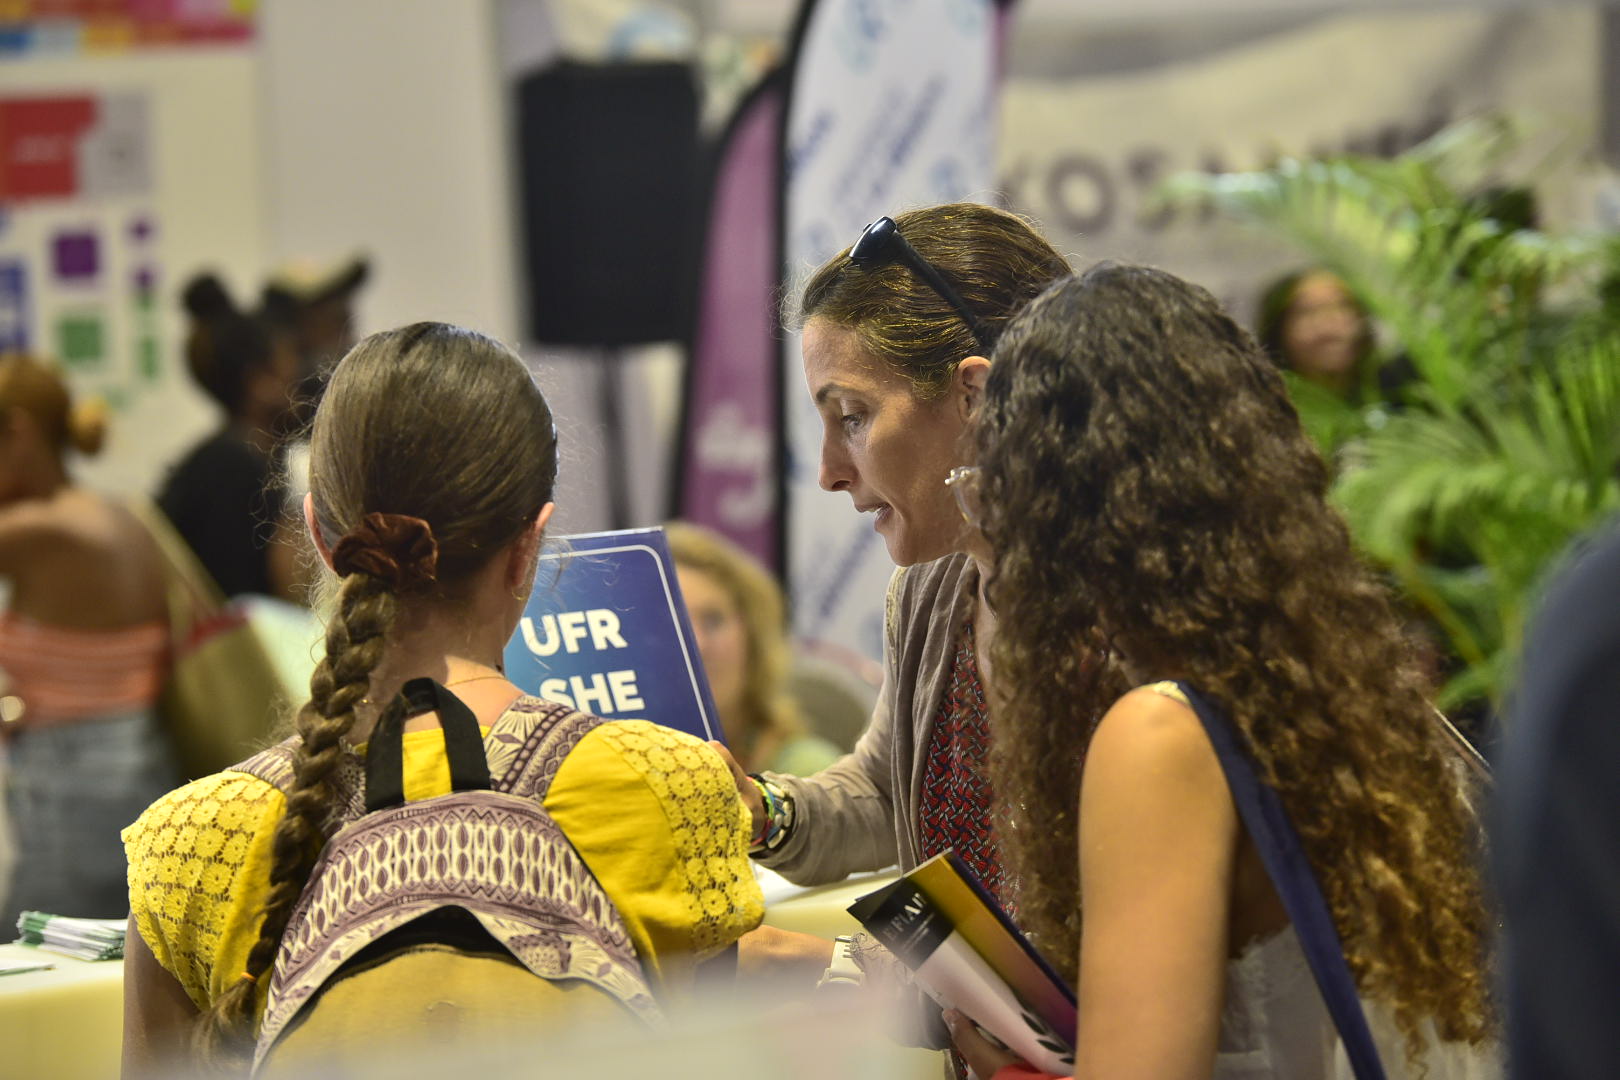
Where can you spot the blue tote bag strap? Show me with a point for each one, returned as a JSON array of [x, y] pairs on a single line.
[[1284, 857]]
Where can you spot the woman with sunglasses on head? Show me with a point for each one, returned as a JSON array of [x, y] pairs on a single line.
[[1287, 804], [897, 331], [626, 866]]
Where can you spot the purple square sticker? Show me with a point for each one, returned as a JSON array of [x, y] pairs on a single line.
[[78, 257]]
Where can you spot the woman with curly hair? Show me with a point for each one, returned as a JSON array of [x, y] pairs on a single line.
[[1157, 513]]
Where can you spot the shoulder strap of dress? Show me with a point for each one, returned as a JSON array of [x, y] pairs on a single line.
[[1282, 852]]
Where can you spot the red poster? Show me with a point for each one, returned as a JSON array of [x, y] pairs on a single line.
[[39, 146]]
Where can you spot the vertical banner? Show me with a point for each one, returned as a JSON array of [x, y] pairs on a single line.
[[892, 105], [727, 467]]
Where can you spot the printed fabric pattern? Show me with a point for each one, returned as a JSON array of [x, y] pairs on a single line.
[[497, 854], [955, 804], [200, 857]]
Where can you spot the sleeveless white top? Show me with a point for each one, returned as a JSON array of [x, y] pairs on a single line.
[[1275, 1026]]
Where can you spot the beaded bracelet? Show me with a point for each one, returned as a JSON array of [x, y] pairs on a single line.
[[778, 816]]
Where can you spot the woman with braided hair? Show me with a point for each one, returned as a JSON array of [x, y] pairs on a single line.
[[433, 535], [1195, 664]]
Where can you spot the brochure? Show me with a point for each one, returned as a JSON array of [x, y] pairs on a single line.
[[966, 954]]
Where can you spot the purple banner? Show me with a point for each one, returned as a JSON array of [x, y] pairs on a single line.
[[728, 460]]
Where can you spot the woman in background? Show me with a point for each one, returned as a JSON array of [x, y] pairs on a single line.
[[84, 646], [740, 619], [1156, 513], [1311, 324], [223, 497]]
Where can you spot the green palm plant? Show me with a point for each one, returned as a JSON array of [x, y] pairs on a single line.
[[1506, 445]]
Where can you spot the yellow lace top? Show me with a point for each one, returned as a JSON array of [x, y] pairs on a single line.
[[653, 812]]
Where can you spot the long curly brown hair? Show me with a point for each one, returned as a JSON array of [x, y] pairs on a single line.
[[1143, 471], [393, 434]]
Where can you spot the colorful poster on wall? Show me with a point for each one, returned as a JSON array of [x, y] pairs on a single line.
[[14, 336], [58, 27], [79, 258], [74, 146]]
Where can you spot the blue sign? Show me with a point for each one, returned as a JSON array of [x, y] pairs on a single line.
[[606, 632]]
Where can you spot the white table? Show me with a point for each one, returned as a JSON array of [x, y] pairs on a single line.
[[819, 910], [61, 1024], [67, 1023]]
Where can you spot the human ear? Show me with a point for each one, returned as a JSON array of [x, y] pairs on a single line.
[[971, 375], [520, 563], [315, 530]]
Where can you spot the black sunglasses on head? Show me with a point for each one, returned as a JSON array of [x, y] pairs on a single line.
[[881, 242]]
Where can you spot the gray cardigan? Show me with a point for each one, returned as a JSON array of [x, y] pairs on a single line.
[[860, 812]]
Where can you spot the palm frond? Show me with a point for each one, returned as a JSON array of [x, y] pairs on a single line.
[[1506, 446]]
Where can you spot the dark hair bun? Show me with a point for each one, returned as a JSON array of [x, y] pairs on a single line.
[[206, 298]]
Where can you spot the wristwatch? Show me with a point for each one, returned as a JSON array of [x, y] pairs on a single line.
[[843, 968]]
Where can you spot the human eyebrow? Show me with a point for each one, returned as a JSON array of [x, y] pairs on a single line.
[[829, 390]]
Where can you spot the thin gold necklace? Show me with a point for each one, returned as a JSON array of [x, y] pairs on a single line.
[[475, 678]]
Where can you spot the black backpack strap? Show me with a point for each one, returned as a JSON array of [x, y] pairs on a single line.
[[463, 745], [1280, 849]]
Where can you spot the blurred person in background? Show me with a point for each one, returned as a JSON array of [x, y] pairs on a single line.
[[84, 646], [1156, 512], [225, 496], [309, 303], [1311, 324], [1557, 829], [740, 620], [434, 461], [312, 302]]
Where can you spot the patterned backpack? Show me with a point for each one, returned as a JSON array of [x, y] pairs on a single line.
[[488, 848]]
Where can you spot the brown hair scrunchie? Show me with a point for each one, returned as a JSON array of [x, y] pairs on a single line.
[[397, 548]]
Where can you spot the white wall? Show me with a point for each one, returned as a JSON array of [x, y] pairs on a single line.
[[384, 132], [388, 130]]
